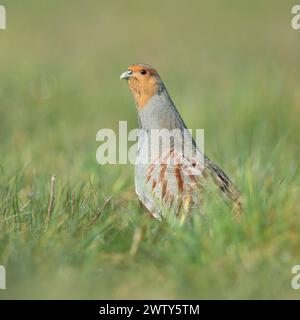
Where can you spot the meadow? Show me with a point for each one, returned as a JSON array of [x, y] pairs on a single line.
[[231, 68]]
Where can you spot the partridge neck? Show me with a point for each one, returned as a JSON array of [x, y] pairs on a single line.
[[160, 113]]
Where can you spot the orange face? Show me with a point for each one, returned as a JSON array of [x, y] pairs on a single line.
[[143, 82]]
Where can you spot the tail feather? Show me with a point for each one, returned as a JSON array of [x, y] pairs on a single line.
[[228, 188]]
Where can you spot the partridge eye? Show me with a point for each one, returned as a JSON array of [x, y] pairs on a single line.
[[143, 71]]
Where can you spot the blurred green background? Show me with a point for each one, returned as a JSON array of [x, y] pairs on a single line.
[[231, 67]]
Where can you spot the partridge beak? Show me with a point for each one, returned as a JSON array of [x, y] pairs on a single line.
[[126, 75]]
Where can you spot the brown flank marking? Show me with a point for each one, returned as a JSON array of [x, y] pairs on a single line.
[[161, 179], [179, 178], [153, 184], [164, 189]]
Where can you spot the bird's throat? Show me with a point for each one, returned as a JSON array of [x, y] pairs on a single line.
[[142, 92]]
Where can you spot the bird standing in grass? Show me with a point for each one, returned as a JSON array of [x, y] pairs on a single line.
[[175, 176]]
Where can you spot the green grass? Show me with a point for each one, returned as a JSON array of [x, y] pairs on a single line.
[[231, 69]]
